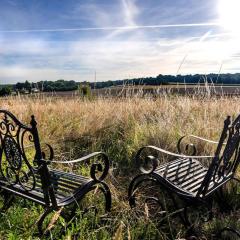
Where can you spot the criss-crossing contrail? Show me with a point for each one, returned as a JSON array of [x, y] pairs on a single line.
[[112, 28]]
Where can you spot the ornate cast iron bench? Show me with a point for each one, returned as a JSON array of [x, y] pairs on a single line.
[[28, 175], [185, 180]]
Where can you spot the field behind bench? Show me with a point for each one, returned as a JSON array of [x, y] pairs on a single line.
[[119, 127]]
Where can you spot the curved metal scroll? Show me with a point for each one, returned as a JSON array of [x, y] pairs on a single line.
[[186, 148], [146, 162], [51, 153], [147, 158], [189, 148], [97, 167], [16, 165]]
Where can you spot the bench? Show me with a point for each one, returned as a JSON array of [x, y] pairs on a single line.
[[27, 174], [185, 177]]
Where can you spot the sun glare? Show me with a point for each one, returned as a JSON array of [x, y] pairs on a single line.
[[229, 14]]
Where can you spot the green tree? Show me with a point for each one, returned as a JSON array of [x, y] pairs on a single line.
[[84, 90], [28, 86], [5, 91]]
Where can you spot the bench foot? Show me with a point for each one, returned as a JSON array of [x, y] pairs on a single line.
[[41, 220], [8, 199]]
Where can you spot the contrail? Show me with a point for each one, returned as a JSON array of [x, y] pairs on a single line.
[[113, 28], [205, 36]]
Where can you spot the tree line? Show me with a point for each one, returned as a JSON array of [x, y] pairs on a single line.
[[171, 79], [63, 85], [47, 86]]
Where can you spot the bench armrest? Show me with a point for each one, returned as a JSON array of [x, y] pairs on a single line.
[[153, 161], [201, 138], [192, 146], [95, 167]]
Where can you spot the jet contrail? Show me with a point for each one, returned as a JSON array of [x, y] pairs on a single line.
[[112, 28]]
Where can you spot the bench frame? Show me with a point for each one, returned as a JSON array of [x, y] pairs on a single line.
[[18, 170], [222, 169]]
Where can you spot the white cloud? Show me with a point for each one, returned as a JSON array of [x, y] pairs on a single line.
[[119, 52], [23, 47], [117, 59]]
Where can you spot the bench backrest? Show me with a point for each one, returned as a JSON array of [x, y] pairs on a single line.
[[226, 158], [21, 156]]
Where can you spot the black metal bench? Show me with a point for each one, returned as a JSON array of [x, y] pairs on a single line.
[[26, 173], [186, 178]]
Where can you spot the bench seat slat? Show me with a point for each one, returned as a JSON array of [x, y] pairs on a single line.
[[70, 176], [64, 185], [192, 179], [183, 173], [187, 174], [61, 183], [60, 192], [184, 177], [173, 165], [181, 168]]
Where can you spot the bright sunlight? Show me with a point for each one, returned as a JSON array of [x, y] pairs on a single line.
[[229, 14]]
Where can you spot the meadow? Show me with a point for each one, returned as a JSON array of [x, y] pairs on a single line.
[[118, 126]]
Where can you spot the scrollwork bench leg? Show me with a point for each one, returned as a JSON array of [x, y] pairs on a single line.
[[69, 213], [41, 220], [108, 198]]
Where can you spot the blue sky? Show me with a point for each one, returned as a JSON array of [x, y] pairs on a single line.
[[71, 39]]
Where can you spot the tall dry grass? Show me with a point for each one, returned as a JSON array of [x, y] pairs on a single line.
[[107, 122]]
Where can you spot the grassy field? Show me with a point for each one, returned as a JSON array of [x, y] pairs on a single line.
[[119, 127]]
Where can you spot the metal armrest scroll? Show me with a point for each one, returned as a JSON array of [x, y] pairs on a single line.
[[152, 162], [191, 147], [41, 162], [95, 168]]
